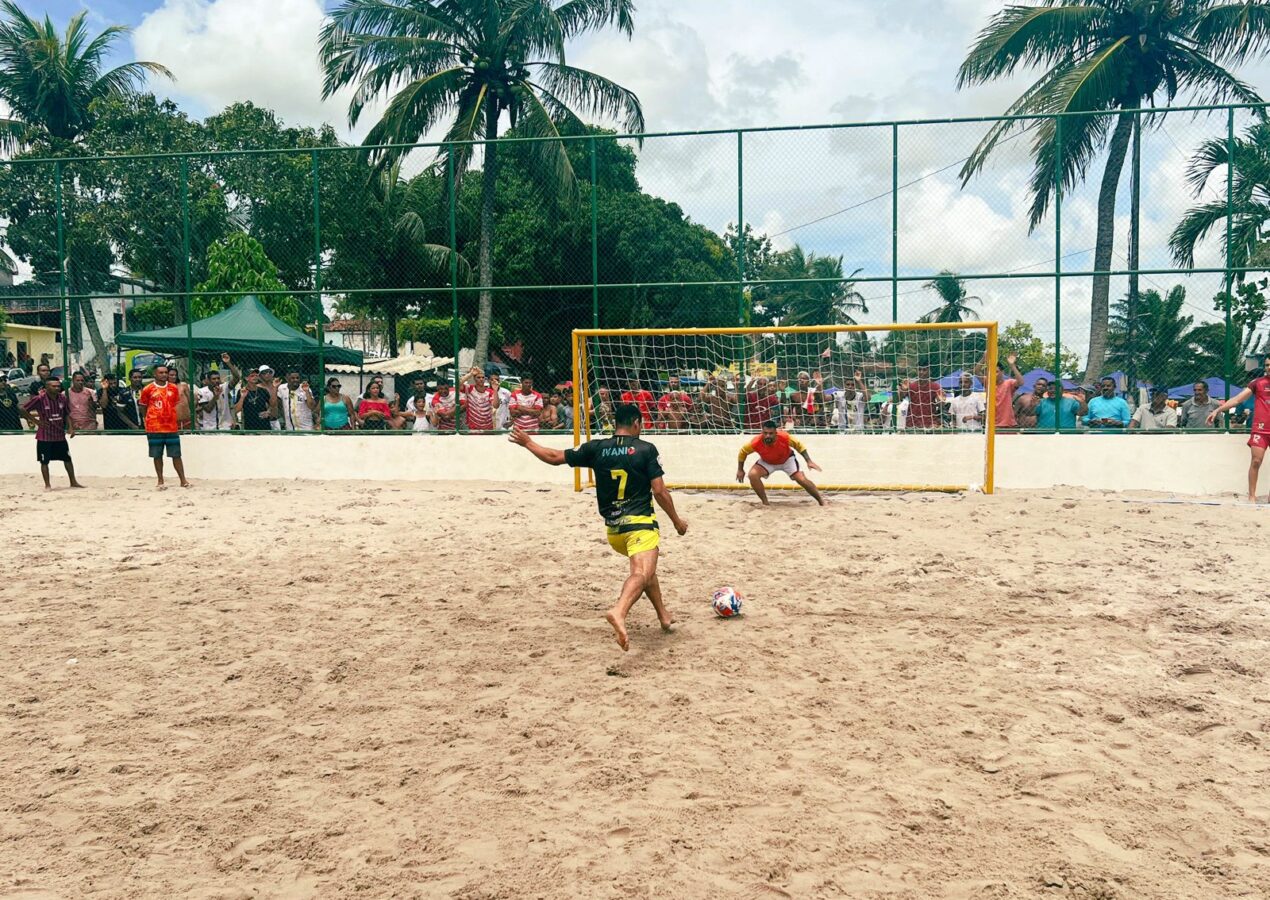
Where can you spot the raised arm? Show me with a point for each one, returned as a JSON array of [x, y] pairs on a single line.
[[549, 455], [1230, 404]]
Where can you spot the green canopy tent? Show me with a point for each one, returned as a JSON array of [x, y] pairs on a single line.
[[245, 330]]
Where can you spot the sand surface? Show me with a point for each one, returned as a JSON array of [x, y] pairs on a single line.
[[390, 690]]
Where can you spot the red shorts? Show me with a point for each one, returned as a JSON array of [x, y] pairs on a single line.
[[1259, 439]]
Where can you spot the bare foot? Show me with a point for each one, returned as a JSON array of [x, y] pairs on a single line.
[[619, 630], [48, 487], [668, 623], [186, 484], [160, 486], [76, 484]]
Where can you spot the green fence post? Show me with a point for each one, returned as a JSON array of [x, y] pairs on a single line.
[[895, 269], [1135, 233], [61, 271], [454, 276], [1228, 352], [317, 283], [191, 379], [1058, 278], [595, 243], [740, 277]]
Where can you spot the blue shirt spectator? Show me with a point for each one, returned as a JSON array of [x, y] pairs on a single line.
[[1068, 409], [1107, 410]]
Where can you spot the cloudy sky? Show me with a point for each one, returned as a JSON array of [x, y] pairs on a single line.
[[709, 64]]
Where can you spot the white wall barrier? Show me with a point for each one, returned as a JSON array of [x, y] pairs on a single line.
[[1172, 463]]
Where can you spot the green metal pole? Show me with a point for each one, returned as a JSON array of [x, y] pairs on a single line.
[[1135, 231], [1058, 278], [1228, 362], [61, 269], [895, 268], [454, 277], [595, 243], [191, 379], [317, 280], [740, 275]]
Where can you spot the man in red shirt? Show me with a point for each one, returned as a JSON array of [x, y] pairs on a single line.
[[674, 405], [775, 449], [526, 407], [50, 414], [925, 398], [1259, 439], [1006, 388], [158, 403], [760, 404], [641, 398]]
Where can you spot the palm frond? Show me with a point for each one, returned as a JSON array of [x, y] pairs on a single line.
[[1030, 36], [1233, 32], [1208, 82], [592, 93], [549, 158], [577, 16]]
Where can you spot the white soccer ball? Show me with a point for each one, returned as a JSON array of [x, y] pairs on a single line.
[[726, 602]]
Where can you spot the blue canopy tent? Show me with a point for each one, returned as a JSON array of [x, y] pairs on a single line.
[[953, 382], [1216, 389], [1031, 378]]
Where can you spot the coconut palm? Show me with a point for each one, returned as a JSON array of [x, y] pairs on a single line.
[[1104, 57], [469, 61], [1249, 194], [50, 82], [828, 301], [954, 303], [1159, 345]]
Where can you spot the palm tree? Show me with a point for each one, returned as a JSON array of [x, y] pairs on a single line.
[[828, 302], [1159, 345], [470, 61], [50, 82], [1249, 194], [955, 304], [1103, 57]]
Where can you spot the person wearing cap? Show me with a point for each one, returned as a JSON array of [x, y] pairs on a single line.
[[1156, 417], [257, 406], [269, 382], [10, 408]]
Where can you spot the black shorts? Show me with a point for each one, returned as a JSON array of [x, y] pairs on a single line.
[[158, 441], [52, 451]]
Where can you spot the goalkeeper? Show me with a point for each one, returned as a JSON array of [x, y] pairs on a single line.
[[775, 449]]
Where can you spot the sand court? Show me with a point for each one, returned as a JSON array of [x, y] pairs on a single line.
[[337, 689]]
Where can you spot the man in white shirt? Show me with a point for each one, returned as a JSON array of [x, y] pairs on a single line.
[[968, 409], [215, 406], [297, 404], [849, 404], [503, 414], [1159, 416]]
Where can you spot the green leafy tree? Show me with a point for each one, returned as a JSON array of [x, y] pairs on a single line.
[[1103, 57], [238, 265], [51, 84], [152, 314], [955, 305], [1249, 165], [1158, 344], [470, 61], [1033, 353]]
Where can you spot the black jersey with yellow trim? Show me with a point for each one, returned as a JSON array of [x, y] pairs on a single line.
[[625, 468]]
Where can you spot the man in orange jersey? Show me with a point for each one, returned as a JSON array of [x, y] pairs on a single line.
[[775, 449]]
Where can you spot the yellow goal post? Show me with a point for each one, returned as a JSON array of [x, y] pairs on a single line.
[[866, 398]]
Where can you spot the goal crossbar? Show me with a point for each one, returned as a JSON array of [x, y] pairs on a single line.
[[583, 393]]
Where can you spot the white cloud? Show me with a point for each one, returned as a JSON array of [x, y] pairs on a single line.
[[223, 51]]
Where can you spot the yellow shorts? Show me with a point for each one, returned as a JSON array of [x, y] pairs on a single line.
[[641, 540]]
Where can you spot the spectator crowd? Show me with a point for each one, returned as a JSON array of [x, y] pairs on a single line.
[[260, 399]]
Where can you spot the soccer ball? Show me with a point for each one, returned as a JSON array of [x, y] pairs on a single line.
[[726, 602]]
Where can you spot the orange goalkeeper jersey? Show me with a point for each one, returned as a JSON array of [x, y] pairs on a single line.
[[777, 452]]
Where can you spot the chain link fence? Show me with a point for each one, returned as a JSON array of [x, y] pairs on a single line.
[[391, 273]]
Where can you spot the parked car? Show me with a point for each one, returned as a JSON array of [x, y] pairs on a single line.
[[19, 380]]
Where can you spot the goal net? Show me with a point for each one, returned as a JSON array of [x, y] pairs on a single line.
[[878, 407]]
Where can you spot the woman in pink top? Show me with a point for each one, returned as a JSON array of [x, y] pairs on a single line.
[[83, 404]]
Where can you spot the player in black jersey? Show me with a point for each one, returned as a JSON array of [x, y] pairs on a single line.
[[628, 476]]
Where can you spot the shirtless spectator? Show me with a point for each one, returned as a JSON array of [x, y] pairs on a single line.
[[716, 404], [602, 413], [1027, 406], [674, 406]]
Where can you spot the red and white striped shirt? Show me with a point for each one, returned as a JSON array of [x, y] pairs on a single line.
[[527, 420], [480, 408]]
